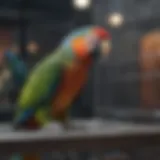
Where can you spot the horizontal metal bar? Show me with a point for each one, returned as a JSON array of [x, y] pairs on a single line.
[[91, 135]]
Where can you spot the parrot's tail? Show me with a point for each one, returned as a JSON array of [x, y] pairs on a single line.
[[30, 124], [26, 120]]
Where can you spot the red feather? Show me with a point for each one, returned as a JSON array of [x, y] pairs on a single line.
[[102, 33], [73, 81]]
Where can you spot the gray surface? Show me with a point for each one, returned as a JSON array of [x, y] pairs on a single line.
[[84, 129], [136, 115]]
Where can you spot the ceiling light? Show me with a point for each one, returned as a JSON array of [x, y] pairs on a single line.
[[81, 4], [115, 20]]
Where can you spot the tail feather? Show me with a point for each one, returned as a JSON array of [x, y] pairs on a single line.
[[22, 116], [30, 124]]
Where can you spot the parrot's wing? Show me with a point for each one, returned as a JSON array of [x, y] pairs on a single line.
[[40, 86]]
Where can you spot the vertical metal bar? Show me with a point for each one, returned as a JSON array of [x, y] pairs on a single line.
[[23, 27]]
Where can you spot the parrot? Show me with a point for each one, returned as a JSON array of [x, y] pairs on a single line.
[[17, 67], [53, 84], [19, 71]]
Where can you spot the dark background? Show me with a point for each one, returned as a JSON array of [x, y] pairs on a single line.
[[115, 83]]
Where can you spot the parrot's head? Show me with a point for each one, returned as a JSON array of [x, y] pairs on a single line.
[[95, 42]]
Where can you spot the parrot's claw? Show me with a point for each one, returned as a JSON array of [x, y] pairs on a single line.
[[70, 126], [66, 126]]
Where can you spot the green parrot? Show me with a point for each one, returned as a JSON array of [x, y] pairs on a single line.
[[54, 83]]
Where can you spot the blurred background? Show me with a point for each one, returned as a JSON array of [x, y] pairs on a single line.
[[125, 86]]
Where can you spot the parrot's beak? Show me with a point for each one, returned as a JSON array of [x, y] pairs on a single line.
[[105, 47]]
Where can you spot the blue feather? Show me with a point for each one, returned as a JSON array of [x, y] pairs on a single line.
[[25, 116], [17, 67], [75, 33]]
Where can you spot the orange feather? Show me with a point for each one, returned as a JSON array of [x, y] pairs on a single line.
[[80, 47], [73, 81]]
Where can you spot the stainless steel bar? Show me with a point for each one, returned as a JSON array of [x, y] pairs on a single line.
[[92, 135]]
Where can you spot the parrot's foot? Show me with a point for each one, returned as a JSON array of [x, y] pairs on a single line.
[[70, 126], [67, 126]]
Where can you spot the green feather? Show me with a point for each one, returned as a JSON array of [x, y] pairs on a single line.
[[42, 82]]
